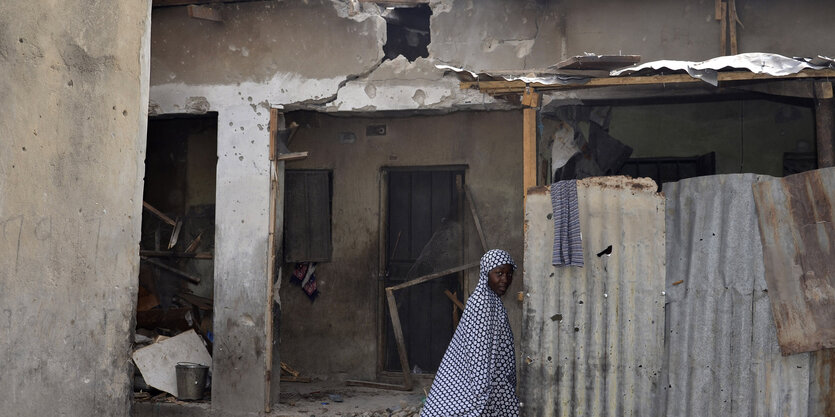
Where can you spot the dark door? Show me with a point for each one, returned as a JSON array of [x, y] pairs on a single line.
[[423, 236]]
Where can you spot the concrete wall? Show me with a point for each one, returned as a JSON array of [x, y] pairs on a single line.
[[74, 81], [336, 335], [501, 35]]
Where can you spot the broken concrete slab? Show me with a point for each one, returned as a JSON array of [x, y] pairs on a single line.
[[158, 361]]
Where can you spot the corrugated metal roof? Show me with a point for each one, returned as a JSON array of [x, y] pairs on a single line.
[[592, 338], [723, 357], [796, 220]]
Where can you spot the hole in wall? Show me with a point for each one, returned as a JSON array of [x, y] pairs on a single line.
[[407, 32]]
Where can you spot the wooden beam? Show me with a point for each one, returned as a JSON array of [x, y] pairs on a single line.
[[292, 156], [723, 35], [158, 213], [175, 271], [167, 254], [825, 124], [204, 13], [518, 87], [430, 277], [398, 336]]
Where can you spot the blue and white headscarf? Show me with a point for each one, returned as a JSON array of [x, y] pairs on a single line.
[[477, 376]]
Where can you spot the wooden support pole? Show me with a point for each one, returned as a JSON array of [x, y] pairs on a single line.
[[401, 343], [723, 35], [271, 259], [531, 100], [158, 213], [732, 20], [825, 123]]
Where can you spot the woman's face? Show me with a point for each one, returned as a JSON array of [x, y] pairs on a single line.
[[500, 278]]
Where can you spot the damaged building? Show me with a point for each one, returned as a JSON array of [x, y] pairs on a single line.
[[284, 203]]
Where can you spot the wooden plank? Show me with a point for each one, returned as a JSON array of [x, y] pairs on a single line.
[[273, 133], [204, 13], [421, 280], [476, 219], [518, 87], [732, 20], [401, 343], [292, 156], [454, 300], [717, 4], [168, 254], [825, 124], [175, 271], [528, 148], [723, 34], [158, 213]]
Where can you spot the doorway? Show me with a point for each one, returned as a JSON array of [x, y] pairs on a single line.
[[423, 235], [176, 275]]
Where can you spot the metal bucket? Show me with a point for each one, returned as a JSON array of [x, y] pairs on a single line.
[[191, 380]]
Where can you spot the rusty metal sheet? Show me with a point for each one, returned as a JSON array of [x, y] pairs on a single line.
[[798, 239], [722, 353], [592, 342]]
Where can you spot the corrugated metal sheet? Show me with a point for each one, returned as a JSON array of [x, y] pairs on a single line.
[[592, 338], [797, 222], [722, 352]]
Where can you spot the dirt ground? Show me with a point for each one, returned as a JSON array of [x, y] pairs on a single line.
[[321, 398]]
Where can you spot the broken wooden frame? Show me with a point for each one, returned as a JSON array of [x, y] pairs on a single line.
[[395, 315]]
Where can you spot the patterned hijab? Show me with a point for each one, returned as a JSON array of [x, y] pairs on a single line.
[[477, 376]]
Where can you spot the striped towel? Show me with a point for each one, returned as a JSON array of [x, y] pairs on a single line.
[[568, 242]]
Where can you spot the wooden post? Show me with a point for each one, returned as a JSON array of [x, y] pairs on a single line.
[[271, 253], [723, 36], [825, 124], [531, 101], [401, 342], [732, 19]]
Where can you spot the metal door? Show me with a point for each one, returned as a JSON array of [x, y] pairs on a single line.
[[423, 236]]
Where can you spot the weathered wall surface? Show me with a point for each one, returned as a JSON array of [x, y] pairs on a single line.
[[341, 325], [74, 81], [501, 35]]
